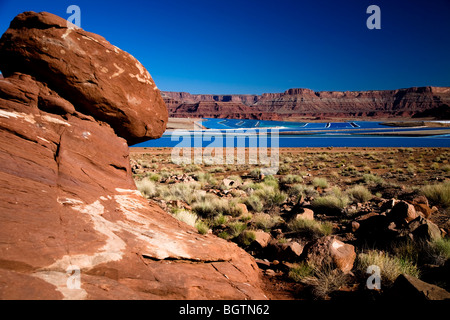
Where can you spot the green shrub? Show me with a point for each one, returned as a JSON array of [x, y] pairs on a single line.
[[300, 189], [311, 227], [439, 251], [271, 181], [187, 192], [292, 178], [210, 206], [192, 168], [284, 168], [330, 203], [255, 173], [187, 217], [236, 228], [372, 179], [325, 280], [246, 237], [390, 266], [264, 221], [270, 196], [153, 176], [216, 169], [320, 182], [254, 203], [205, 178], [359, 194], [438, 193], [219, 220], [202, 227], [147, 187], [300, 271]]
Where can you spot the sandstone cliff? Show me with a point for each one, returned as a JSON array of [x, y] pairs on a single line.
[[304, 102], [69, 104]]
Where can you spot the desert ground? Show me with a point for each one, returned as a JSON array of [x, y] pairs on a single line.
[[316, 193]]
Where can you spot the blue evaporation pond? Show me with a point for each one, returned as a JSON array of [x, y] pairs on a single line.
[[234, 133]]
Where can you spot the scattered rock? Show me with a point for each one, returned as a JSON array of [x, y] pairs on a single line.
[[242, 207], [261, 239], [229, 183], [285, 251], [307, 214], [402, 213], [331, 251], [410, 288], [355, 226], [421, 205], [427, 230]]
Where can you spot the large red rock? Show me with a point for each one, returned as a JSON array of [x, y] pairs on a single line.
[[68, 200], [330, 251], [98, 78]]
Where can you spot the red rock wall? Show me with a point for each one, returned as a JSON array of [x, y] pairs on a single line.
[[305, 102]]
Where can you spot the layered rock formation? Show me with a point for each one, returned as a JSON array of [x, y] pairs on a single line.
[[69, 104], [304, 102]]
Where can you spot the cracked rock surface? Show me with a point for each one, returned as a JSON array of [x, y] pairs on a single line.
[[67, 197]]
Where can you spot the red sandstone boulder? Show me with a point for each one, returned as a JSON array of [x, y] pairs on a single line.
[[331, 251], [67, 198], [98, 78]]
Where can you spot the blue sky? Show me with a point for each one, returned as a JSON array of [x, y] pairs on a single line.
[[247, 46]]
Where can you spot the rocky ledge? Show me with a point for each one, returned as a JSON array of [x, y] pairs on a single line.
[[70, 103]]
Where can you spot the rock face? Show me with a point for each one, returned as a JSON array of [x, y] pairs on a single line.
[[67, 198], [420, 101]]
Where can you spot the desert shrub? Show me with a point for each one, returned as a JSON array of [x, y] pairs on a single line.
[[300, 271], [300, 189], [219, 220], [186, 216], [210, 206], [205, 178], [438, 193], [391, 266], [359, 194], [236, 228], [270, 180], [325, 280], [330, 203], [435, 166], [292, 178], [311, 227], [372, 179], [153, 176], [186, 192], [284, 168], [255, 173], [440, 251], [147, 188], [224, 235], [202, 227], [264, 221], [216, 169], [192, 168], [270, 196], [253, 203], [246, 237], [445, 168], [320, 182], [235, 178]]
